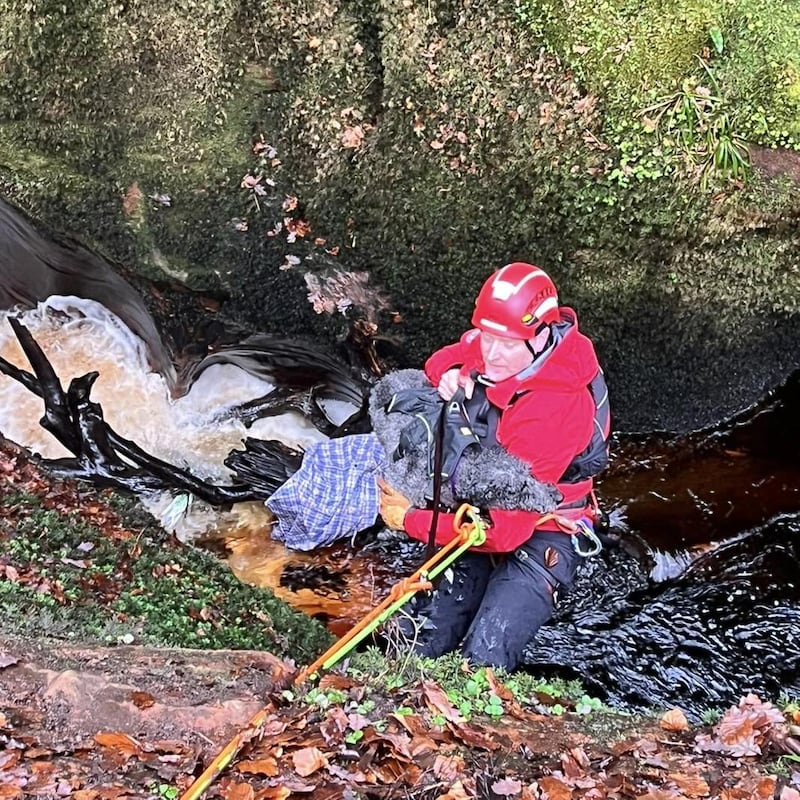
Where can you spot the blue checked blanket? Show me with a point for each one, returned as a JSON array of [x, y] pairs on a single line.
[[333, 495]]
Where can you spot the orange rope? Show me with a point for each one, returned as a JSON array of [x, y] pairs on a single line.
[[566, 525], [414, 582]]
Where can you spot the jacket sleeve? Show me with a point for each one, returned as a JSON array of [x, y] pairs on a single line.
[[463, 352], [443, 360], [508, 529]]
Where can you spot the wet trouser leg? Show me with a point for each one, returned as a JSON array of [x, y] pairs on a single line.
[[519, 599], [443, 618]]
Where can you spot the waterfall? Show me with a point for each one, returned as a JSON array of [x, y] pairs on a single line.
[[194, 431]]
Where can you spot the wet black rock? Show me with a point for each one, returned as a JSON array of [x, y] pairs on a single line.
[[730, 624]]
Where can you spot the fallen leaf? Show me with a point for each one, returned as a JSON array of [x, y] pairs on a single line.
[[437, 701], [357, 722], [334, 725], [448, 768], [556, 789], [744, 729], [74, 562], [399, 742], [40, 767], [674, 720], [294, 785], [142, 699], [764, 788], [239, 791], [132, 199], [353, 774], [507, 786], [353, 136], [273, 793], [391, 771], [9, 759], [308, 760], [497, 687], [11, 573], [575, 762], [333, 680], [262, 766], [250, 181], [10, 792], [7, 660], [690, 785], [455, 792], [473, 736], [118, 741], [289, 262]]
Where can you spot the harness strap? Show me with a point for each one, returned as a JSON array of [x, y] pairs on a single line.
[[438, 457]]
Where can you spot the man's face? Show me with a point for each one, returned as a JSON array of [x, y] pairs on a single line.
[[503, 357]]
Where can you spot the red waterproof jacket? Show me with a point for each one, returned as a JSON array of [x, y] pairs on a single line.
[[547, 425]]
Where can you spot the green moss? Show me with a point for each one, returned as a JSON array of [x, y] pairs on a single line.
[[627, 50], [761, 67], [633, 53], [75, 582]]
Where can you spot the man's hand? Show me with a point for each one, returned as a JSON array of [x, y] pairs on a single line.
[[452, 381], [393, 506]]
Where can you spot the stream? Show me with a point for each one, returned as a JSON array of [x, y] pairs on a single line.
[[695, 603]]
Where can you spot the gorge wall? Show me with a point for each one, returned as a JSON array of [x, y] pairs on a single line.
[[269, 156]]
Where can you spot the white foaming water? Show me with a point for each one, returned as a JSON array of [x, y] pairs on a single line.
[[80, 336]]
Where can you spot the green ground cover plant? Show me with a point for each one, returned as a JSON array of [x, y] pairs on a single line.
[[63, 578], [472, 691]]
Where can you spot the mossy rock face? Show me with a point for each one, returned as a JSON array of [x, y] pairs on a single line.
[[424, 144], [632, 53]]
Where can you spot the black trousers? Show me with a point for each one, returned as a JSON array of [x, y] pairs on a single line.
[[492, 605]]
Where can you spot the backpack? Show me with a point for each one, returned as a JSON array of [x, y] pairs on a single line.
[[594, 458]]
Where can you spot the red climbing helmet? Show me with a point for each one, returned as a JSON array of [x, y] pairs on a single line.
[[516, 301]]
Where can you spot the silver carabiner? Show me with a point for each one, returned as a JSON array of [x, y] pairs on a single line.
[[584, 529]]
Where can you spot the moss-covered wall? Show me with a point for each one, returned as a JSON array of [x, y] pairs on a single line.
[[427, 143]]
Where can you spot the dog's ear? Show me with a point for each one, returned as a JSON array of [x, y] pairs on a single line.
[[389, 385]]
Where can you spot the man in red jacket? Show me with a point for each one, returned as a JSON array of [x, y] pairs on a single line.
[[543, 381]]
